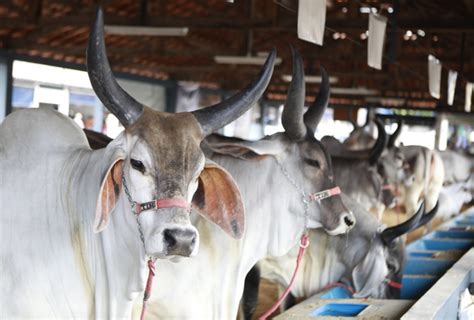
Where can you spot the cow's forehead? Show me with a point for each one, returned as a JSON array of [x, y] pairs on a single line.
[[169, 136]]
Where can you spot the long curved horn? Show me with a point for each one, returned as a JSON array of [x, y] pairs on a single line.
[[428, 216], [114, 98], [393, 137], [390, 234], [379, 144], [218, 115], [315, 112], [292, 116]]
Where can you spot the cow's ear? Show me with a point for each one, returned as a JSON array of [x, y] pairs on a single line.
[[370, 272], [108, 195], [218, 199]]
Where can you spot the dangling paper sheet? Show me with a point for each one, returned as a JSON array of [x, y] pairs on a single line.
[[434, 76], [452, 77], [377, 27], [469, 87], [312, 20]]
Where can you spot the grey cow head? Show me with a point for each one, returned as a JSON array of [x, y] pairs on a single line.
[[162, 159], [311, 156], [393, 165], [379, 272]]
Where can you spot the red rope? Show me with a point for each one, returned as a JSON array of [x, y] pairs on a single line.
[[149, 283], [304, 243]]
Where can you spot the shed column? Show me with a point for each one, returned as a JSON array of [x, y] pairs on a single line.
[[6, 85]]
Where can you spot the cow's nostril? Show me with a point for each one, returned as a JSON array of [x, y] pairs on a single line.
[[349, 222], [170, 240]]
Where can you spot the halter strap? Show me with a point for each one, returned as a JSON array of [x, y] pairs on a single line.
[[304, 243], [393, 283], [321, 195], [161, 204]]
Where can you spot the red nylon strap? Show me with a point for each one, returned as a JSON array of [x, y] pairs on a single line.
[[149, 283], [161, 204], [394, 284], [318, 196], [304, 243]]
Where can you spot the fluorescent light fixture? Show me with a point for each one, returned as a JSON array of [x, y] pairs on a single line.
[[310, 79], [359, 91], [243, 60], [146, 31]]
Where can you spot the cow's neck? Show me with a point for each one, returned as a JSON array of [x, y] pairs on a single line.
[[114, 255], [321, 266]]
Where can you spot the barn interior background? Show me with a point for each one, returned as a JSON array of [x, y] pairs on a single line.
[[198, 52], [181, 55]]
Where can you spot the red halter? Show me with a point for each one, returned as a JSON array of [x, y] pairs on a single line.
[[160, 204]]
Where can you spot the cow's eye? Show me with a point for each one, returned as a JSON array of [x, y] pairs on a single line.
[[313, 163], [137, 165], [391, 268]]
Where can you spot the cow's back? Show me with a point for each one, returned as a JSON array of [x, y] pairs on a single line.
[[39, 130], [37, 236]]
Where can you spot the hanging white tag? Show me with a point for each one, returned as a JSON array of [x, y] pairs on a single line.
[[452, 77], [434, 76], [377, 27], [312, 20], [469, 87]]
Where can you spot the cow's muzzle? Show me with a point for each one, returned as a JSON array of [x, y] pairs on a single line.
[[179, 242], [346, 223]]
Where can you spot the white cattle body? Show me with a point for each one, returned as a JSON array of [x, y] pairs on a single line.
[[52, 263]]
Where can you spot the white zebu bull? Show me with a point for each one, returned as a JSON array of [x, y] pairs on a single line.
[[360, 138], [451, 198], [272, 174], [457, 168], [416, 173], [71, 245], [369, 260]]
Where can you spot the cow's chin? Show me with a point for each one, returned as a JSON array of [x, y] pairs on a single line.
[[163, 254]]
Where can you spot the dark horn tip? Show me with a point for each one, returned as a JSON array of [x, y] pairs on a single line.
[[292, 116], [324, 79], [217, 116], [390, 234], [114, 98], [427, 217], [380, 143]]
